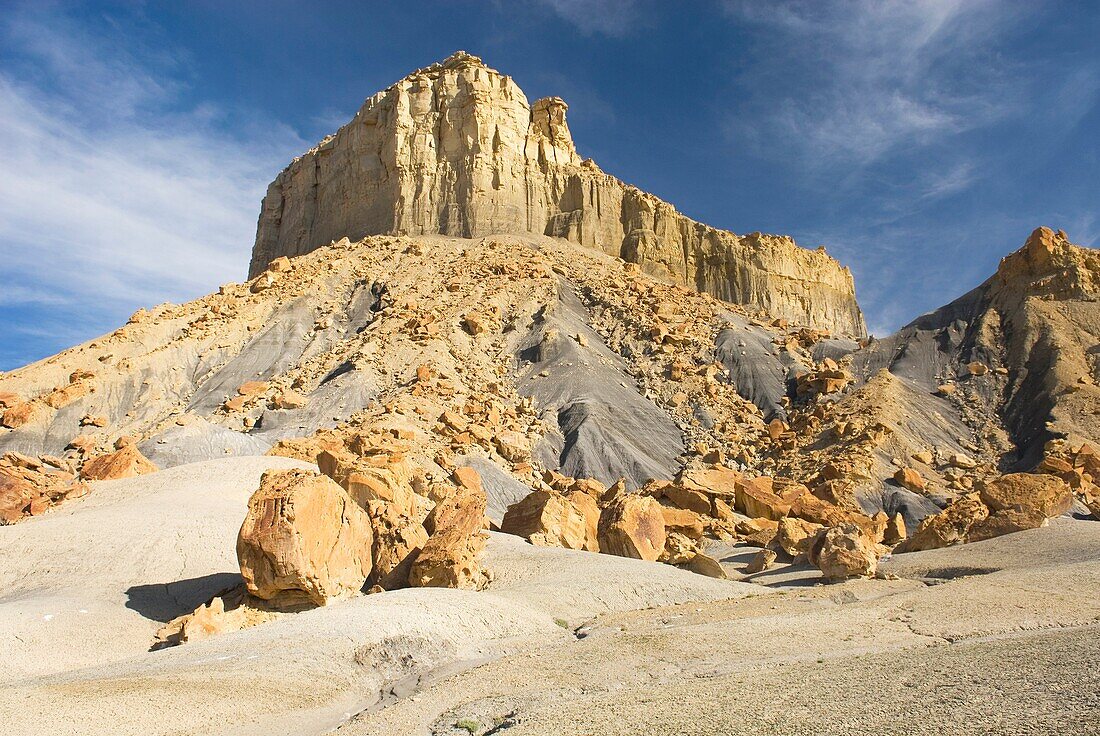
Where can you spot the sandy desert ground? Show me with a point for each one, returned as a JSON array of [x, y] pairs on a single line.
[[993, 637]]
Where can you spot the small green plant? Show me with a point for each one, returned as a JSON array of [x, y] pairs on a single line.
[[562, 623], [468, 724]]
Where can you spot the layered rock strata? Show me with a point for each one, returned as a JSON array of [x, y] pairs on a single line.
[[456, 149]]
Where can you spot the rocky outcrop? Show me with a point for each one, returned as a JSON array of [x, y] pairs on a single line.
[[451, 558], [844, 552], [29, 487], [456, 149], [1003, 505], [304, 541], [125, 462], [633, 526]]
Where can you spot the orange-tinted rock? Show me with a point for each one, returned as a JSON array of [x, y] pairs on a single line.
[[909, 479], [950, 526], [451, 558], [398, 539], [584, 500], [794, 536], [844, 552], [23, 414], [760, 562], [757, 532], [1007, 521], [633, 526], [683, 522], [546, 518], [895, 531], [758, 502], [32, 490], [379, 477], [1045, 495], [252, 388], [124, 463], [304, 540], [687, 498]]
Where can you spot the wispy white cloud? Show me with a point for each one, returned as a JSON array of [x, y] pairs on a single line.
[[114, 190], [866, 79], [608, 17]]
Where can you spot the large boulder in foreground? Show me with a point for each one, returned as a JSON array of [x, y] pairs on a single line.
[[844, 552], [1037, 494], [304, 540], [451, 558], [633, 526], [125, 462], [546, 518]]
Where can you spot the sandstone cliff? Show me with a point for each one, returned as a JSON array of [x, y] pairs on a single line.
[[456, 149]]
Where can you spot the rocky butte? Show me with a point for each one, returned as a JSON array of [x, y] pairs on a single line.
[[456, 149]]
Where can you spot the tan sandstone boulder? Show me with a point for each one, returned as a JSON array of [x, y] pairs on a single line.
[[451, 558], [950, 526], [546, 518], [755, 500], [794, 536], [844, 552], [1039, 495], [304, 540], [633, 526], [126, 462]]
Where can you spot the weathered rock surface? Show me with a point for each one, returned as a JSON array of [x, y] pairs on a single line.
[[844, 552], [28, 487], [451, 558], [304, 541], [456, 149], [633, 526], [548, 519], [123, 463]]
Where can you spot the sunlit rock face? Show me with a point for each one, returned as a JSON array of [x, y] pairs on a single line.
[[456, 149]]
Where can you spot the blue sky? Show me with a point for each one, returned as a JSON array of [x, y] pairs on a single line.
[[918, 141]]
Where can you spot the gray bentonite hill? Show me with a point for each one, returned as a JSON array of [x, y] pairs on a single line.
[[493, 442]]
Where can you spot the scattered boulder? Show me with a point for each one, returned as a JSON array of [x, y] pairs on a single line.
[[1041, 495], [31, 489], [22, 414], [757, 532], [794, 536], [126, 462], [844, 552], [755, 500], [761, 561], [451, 556], [546, 518], [633, 525], [304, 541], [398, 539], [948, 527], [895, 531], [909, 479]]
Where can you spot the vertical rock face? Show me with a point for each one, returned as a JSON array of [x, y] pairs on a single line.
[[456, 149]]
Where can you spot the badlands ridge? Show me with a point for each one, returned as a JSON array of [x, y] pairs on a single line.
[[482, 411]]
